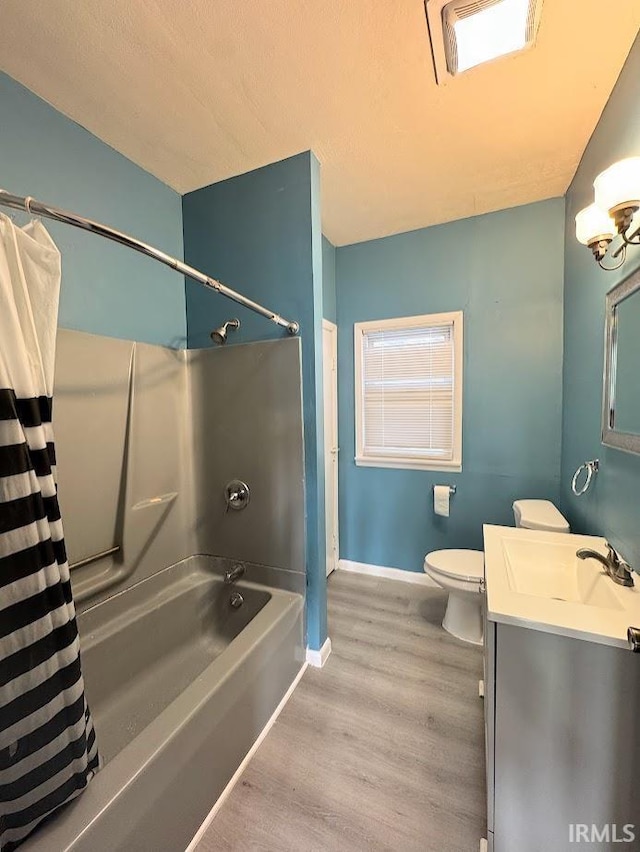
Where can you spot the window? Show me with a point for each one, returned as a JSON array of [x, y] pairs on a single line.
[[408, 375]]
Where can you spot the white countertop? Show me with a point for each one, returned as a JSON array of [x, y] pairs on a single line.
[[612, 608]]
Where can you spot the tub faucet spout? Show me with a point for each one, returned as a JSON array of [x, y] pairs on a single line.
[[234, 574]]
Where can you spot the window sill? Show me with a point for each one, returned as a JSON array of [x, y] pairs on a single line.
[[409, 464]]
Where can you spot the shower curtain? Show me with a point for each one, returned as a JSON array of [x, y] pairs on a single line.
[[48, 750]]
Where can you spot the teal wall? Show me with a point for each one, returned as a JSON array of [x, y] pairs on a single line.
[[505, 271], [106, 289], [611, 507], [260, 233], [329, 309]]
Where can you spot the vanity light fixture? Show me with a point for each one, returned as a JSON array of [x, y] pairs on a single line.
[[618, 191], [617, 200], [595, 228]]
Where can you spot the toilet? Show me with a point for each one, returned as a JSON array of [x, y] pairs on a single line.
[[461, 572]]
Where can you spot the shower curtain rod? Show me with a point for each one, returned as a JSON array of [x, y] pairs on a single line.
[[30, 205]]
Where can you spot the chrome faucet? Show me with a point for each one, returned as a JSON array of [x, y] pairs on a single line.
[[616, 567], [234, 573]]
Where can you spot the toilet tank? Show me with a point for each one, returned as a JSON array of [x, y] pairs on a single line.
[[539, 515]]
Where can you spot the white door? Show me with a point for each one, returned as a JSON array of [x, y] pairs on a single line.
[[330, 381]]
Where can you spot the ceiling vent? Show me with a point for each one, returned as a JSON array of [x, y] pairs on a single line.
[[467, 33]]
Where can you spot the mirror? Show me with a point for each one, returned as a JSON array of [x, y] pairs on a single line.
[[621, 392]]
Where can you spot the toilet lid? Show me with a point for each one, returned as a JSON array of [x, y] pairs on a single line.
[[458, 564], [539, 515]]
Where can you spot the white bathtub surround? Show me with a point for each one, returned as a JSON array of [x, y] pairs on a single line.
[[319, 658], [388, 573], [247, 759]]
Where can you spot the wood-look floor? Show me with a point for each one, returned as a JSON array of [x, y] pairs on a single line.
[[382, 749]]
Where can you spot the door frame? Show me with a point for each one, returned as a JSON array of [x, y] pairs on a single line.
[[331, 374]]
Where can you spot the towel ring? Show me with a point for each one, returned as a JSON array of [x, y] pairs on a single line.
[[591, 468]]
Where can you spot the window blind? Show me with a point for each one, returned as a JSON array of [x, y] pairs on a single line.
[[408, 392]]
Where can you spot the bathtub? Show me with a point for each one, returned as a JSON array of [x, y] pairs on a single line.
[[180, 684]]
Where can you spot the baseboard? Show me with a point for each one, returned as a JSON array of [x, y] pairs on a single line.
[[389, 573], [319, 658], [247, 758]]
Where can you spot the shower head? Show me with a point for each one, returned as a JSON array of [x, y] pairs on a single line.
[[220, 334]]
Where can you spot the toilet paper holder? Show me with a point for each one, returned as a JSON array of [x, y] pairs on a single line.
[[452, 489]]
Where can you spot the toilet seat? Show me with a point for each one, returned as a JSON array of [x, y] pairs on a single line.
[[464, 565]]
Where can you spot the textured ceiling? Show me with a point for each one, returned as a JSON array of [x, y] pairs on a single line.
[[198, 91]]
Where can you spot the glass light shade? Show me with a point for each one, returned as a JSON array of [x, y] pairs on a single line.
[[593, 224], [619, 185], [493, 31]]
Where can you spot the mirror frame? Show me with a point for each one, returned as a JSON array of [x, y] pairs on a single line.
[[611, 437]]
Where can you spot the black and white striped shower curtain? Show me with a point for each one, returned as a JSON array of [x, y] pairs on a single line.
[[48, 750]]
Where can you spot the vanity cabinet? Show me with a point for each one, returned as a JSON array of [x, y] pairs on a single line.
[[563, 741], [489, 670]]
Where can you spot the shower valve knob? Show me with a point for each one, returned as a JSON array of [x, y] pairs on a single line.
[[237, 495]]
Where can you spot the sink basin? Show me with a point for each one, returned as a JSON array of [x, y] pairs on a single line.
[[533, 579], [553, 571]]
